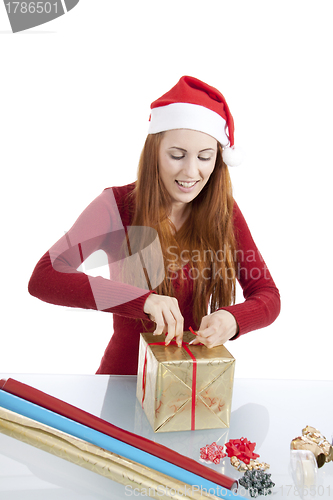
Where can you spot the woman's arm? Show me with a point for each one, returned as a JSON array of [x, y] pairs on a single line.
[[262, 299], [56, 280]]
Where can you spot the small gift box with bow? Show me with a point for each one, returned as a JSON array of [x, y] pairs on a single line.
[[184, 388]]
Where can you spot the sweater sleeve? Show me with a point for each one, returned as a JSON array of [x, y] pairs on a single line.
[[56, 278], [262, 299]]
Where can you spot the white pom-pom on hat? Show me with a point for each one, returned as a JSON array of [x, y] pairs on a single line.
[[232, 156]]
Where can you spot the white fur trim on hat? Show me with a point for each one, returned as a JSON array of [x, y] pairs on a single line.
[[188, 116]]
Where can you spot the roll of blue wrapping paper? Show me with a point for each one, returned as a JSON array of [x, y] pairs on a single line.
[[80, 431], [67, 410]]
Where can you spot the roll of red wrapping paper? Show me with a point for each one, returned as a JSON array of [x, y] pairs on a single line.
[[72, 412]]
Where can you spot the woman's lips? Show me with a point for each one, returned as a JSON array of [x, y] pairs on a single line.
[[186, 186]]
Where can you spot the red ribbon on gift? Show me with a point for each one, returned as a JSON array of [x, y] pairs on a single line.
[[194, 385], [194, 377]]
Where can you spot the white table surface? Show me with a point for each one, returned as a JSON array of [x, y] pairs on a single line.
[[268, 412]]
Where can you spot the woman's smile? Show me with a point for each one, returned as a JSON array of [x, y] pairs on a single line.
[[186, 186]]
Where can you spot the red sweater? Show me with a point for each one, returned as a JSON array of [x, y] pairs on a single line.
[[56, 280]]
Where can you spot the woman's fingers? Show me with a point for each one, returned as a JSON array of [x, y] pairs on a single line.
[[216, 328], [175, 323], [165, 312]]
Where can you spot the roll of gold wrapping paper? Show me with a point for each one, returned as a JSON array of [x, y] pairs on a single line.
[[140, 478]]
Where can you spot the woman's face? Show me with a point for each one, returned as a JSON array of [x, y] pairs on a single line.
[[186, 161]]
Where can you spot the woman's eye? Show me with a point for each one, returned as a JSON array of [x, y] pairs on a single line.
[[204, 158], [176, 157]]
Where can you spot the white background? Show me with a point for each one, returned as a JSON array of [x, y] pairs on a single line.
[[75, 97]]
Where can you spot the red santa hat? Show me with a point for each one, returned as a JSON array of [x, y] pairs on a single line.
[[194, 105]]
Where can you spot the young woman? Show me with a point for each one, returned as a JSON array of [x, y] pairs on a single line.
[[186, 275]]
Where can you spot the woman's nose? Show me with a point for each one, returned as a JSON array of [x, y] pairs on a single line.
[[191, 167]]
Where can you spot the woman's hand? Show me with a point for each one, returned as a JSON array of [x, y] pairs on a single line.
[[216, 328], [165, 312]]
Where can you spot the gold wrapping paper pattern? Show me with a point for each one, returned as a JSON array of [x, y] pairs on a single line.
[[168, 388], [122, 470]]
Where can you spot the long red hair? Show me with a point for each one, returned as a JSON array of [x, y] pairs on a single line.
[[207, 235]]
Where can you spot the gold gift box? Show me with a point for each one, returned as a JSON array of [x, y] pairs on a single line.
[[165, 379]]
